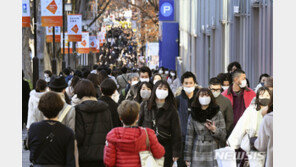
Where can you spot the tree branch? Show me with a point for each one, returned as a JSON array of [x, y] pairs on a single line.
[[102, 11], [147, 14]]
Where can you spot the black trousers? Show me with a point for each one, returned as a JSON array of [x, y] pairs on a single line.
[[181, 162]]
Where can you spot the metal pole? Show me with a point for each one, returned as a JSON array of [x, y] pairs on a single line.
[[35, 59], [53, 62], [63, 11], [68, 53]]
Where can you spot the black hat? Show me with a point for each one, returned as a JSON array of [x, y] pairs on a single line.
[[57, 82]]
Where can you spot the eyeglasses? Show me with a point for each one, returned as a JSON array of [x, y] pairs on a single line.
[[215, 90]]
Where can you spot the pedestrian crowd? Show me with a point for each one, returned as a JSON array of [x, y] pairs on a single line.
[[112, 116]]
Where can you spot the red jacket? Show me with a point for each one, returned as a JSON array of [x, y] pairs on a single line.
[[249, 94], [123, 146]]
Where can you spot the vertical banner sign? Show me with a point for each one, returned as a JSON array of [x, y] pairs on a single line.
[[93, 44], [49, 34], [66, 44], [98, 42], [26, 13], [75, 27], [51, 13], [83, 46], [101, 38]]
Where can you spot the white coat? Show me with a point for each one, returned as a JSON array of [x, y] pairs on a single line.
[[246, 124], [33, 111]]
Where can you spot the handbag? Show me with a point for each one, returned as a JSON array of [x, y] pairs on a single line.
[[146, 157], [245, 144]]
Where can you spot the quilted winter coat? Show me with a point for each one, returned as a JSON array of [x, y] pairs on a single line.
[[124, 144]]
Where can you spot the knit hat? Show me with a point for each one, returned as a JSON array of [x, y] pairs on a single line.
[[57, 82]]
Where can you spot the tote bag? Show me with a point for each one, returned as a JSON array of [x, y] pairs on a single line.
[[146, 157]]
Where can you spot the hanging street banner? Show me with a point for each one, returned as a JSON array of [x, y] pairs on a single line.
[[49, 37], [51, 13], [101, 38], [83, 46], [75, 27], [98, 42], [93, 43], [66, 44], [26, 13]]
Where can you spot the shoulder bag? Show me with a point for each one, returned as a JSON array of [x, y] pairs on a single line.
[[146, 157]]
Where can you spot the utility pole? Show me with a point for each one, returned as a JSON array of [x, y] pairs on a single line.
[[35, 59], [63, 63], [53, 62]]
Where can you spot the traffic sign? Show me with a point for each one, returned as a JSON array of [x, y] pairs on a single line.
[[166, 10]]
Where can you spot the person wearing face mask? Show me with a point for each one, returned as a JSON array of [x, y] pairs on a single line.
[[144, 92], [264, 141], [223, 103], [156, 77], [47, 75], [225, 79], [239, 94], [160, 114], [262, 79], [184, 101], [165, 74], [145, 74], [206, 128], [251, 119], [108, 88], [174, 81], [133, 79]]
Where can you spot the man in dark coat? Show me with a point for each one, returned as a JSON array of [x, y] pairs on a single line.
[[26, 95], [184, 101], [108, 88]]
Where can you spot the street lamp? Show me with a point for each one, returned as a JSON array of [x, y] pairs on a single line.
[[68, 7]]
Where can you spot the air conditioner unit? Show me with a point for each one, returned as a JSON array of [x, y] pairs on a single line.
[[236, 9]]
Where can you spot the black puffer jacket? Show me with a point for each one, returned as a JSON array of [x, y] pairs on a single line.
[[93, 122]]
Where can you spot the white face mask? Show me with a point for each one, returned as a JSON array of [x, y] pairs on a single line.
[[188, 89], [225, 87], [145, 94], [154, 82], [144, 79], [160, 72], [243, 84], [173, 74], [134, 82], [161, 94], [216, 94], [204, 100], [166, 72]]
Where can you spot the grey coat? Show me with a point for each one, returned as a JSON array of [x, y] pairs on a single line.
[[264, 141], [227, 112], [201, 142]]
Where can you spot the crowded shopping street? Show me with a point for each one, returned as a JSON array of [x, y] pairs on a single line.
[[153, 83]]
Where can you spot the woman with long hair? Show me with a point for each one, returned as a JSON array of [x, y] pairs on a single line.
[[205, 129], [160, 114]]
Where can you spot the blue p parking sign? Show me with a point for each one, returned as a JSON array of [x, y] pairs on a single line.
[[166, 11]]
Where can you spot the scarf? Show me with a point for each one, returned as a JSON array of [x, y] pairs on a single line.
[[202, 115]]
